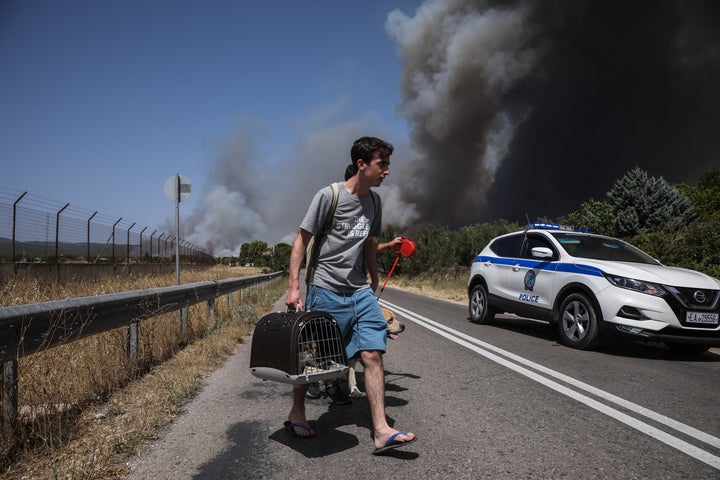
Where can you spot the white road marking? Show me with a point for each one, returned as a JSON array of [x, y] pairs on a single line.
[[675, 442]]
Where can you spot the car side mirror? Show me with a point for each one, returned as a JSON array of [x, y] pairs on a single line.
[[542, 252]]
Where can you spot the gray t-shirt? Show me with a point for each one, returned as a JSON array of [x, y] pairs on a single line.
[[340, 263]]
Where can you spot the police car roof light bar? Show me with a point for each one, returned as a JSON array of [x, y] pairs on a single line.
[[554, 226]]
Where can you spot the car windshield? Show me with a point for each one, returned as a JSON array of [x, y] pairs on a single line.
[[602, 248]]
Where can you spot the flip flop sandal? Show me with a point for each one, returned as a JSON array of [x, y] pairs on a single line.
[[290, 427], [391, 444]]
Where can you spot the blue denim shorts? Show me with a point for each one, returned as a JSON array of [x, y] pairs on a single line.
[[358, 314]]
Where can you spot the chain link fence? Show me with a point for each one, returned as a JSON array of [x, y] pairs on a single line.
[[35, 230]]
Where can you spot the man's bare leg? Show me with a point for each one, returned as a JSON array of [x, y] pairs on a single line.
[[375, 390], [297, 412]]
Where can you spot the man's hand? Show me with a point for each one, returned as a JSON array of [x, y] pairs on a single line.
[[293, 300], [393, 245]]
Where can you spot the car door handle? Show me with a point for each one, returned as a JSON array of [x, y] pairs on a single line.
[[516, 268], [488, 264]]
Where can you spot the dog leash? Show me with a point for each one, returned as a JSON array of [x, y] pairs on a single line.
[[407, 249]]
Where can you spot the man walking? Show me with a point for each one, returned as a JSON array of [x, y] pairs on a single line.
[[347, 254]]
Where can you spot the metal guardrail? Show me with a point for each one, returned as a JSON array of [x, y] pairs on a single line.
[[28, 329]]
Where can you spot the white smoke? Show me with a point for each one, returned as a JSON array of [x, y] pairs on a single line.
[[251, 197], [222, 218]]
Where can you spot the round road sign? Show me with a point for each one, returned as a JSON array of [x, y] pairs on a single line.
[[174, 183]]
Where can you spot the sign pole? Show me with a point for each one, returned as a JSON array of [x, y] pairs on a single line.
[[177, 230], [183, 311], [177, 188]]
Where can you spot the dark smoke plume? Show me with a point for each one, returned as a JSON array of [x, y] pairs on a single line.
[[515, 108], [532, 107]]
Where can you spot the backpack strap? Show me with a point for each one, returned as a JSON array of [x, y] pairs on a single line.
[[313, 248], [377, 206]]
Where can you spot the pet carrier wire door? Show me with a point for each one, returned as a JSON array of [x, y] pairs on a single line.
[[298, 348]]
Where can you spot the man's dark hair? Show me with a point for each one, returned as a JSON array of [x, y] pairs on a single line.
[[365, 149]]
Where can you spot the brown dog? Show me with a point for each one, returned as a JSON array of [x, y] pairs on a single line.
[[394, 327]]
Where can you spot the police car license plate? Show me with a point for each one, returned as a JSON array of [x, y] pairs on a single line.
[[702, 317]]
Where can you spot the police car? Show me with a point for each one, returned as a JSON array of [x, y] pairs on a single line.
[[592, 287]]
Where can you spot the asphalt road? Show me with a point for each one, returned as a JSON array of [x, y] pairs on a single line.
[[498, 401]]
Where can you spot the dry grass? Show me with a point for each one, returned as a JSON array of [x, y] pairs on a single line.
[[84, 408], [27, 289], [451, 286]]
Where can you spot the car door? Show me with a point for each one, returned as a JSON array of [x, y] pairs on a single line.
[[531, 277], [498, 268]]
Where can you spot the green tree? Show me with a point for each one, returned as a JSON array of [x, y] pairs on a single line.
[[702, 246], [225, 260], [280, 259], [435, 249], [597, 215], [254, 253], [705, 197], [641, 203], [473, 238], [661, 244], [702, 243]]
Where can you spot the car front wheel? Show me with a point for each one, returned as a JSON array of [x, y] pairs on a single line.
[[578, 325], [480, 310]]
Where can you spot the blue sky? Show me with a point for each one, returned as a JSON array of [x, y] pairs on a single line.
[[102, 101]]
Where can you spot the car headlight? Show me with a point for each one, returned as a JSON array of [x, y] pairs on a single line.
[[648, 288]]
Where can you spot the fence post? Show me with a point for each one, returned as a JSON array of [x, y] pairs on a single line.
[[127, 247], [151, 250], [13, 230], [184, 324], [165, 250], [9, 399], [131, 339], [88, 236], [140, 254], [160, 256], [113, 237], [211, 313], [57, 240]]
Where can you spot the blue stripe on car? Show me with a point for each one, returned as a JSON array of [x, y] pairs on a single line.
[[539, 265]]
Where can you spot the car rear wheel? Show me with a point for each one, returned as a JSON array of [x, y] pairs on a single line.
[[480, 310], [578, 325]]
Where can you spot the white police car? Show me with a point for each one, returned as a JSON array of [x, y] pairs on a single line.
[[592, 286]]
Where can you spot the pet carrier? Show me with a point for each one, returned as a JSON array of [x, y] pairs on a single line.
[[297, 348]]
